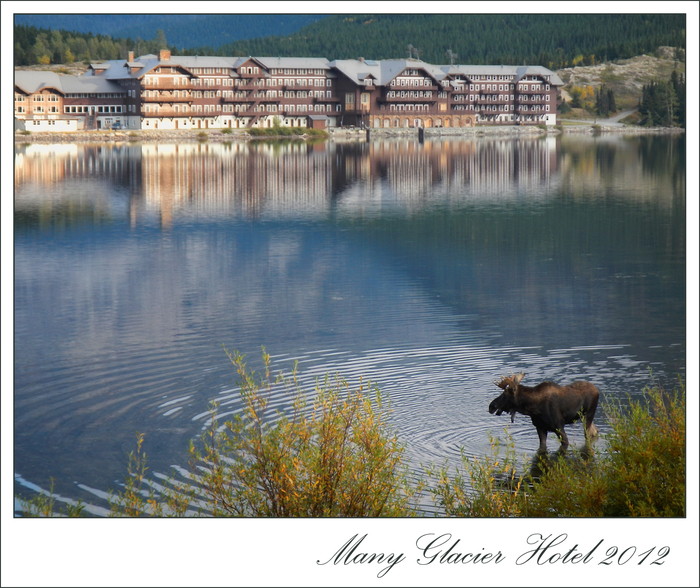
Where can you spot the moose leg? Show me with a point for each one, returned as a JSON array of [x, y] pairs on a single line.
[[563, 438], [591, 430], [542, 434]]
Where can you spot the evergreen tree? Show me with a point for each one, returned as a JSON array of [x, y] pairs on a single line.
[[612, 108], [576, 98]]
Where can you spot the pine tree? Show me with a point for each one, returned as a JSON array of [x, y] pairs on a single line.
[[612, 107]]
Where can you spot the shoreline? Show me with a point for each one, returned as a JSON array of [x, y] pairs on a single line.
[[216, 136]]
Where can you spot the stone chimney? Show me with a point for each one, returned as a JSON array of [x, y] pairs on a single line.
[[164, 55], [130, 57]]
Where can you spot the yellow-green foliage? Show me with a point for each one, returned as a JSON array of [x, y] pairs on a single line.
[[43, 505], [641, 472], [646, 467], [493, 489], [336, 459]]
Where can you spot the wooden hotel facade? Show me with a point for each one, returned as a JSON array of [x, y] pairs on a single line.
[[166, 92]]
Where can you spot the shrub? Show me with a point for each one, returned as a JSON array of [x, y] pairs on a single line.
[[285, 131], [492, 491], [646, 464], [337, 459], [227, 131], [202, 136], [42, 505], [641, 472]]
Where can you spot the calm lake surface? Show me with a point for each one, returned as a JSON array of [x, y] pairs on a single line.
[[431, 269]]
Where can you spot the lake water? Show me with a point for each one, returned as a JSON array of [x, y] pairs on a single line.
[[429, 268]]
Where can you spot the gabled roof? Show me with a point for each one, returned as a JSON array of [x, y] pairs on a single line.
[[357, 70], [518, 71], [35, 81], [383, 71], [293, 62], [32, 82]]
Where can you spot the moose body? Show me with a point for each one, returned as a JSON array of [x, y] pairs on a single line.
[[549, 405]]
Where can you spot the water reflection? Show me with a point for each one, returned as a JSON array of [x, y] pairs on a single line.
[[67, 183], [429, 268]]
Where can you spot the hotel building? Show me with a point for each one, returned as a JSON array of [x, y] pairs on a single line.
[[184, 92]]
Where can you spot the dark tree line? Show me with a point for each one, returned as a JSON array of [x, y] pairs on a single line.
[[554, 41], [663, 102], [37, 45]]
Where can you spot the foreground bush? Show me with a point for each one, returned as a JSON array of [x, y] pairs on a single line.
[[641, 472], [336, 459], [493, 489]]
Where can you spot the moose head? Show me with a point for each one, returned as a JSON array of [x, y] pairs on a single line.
[[507, 401]]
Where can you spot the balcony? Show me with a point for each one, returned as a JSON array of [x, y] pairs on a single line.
[[166, 85], [250, 86], [483, 100], [322, 100], [250, 76], [169, 113], [410, 99], [393, 88], [520, 110], [534, 100], [166, 98], [539, 90]]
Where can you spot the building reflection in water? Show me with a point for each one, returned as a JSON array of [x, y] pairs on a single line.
[[257, 180]]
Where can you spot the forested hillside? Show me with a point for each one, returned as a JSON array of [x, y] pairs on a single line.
[[554, 41], [182, 30], [45, 46]]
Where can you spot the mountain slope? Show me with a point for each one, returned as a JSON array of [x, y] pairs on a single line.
[[181, 30], [554, 41]]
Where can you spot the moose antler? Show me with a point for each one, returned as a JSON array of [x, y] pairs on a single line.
[[503, 382], [512, 380]]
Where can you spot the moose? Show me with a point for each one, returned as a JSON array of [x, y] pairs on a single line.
[[549, 405]]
